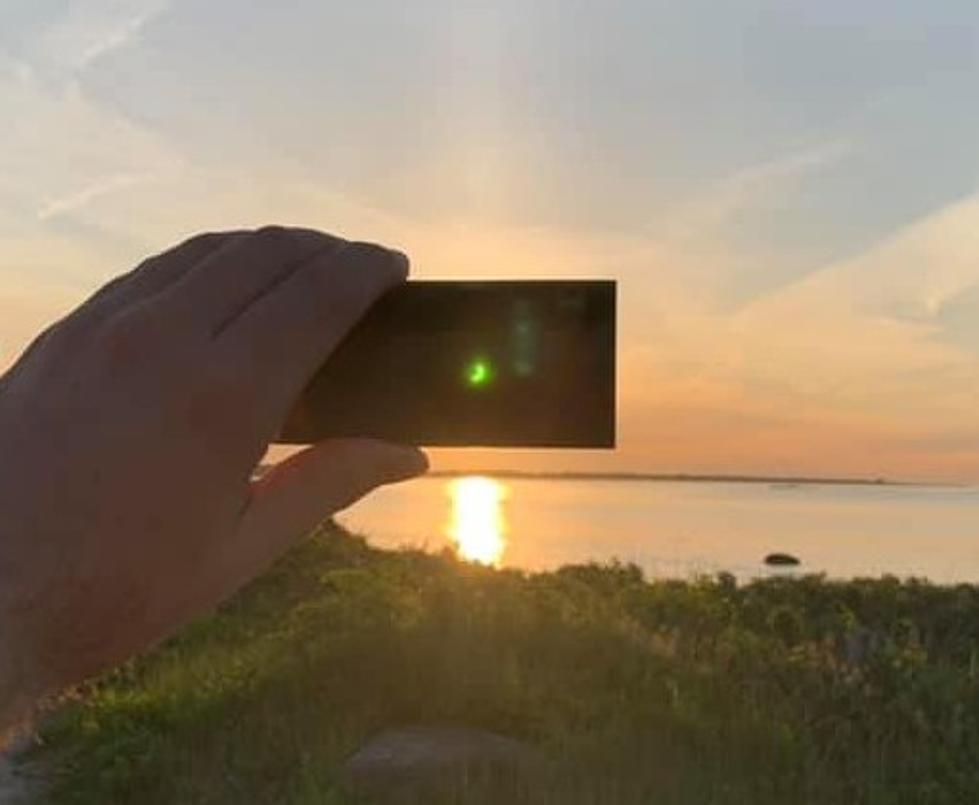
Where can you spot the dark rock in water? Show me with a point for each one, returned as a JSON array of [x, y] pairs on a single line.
[[397, 762], [781, 560]]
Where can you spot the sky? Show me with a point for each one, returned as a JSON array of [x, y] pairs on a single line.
[[786, 191]]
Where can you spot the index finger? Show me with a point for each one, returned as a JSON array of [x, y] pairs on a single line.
[[279, 343]]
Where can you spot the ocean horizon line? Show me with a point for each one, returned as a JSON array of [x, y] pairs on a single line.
[[678, 477], [794, 480]]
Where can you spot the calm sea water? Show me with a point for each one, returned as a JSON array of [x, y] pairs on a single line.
[[678, 529]]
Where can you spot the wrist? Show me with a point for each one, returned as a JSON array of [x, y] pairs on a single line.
[[18, 695], [24, 681]]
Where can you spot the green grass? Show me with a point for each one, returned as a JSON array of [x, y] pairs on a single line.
[[779, 691]]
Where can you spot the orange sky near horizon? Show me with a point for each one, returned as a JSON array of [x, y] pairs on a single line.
[[796, 239], [797, 384]]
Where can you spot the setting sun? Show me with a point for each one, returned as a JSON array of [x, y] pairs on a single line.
[[478, 525]]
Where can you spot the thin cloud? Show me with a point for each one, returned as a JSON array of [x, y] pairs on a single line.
[[115, 38], [75, 201], [754, 183], [92, 29]]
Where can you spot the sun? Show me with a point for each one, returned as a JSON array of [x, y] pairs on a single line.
[[477, 525], [479, 373]]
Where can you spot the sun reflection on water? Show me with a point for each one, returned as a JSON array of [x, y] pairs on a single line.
[[478, 523]]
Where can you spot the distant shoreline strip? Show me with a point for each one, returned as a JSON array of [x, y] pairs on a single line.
[[785, 482]]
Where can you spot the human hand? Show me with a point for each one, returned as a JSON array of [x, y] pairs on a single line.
[[129, 432]]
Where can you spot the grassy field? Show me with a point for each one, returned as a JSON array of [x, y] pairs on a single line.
[[779, 691]]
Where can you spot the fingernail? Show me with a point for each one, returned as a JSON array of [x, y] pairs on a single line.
[[373, 255], [406, 461], [401, 261]]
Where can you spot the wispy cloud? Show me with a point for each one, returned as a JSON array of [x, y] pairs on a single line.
[[753, 184], [91, 29], [118, 36], [102, 187]]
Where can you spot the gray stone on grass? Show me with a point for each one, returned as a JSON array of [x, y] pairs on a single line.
[[403, 760], [23, 775], [18, 784]]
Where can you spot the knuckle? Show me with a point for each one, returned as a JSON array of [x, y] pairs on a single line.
[[299, 243], [200, 245], [50, 350], [205, 240], [195, 248], [272, 234]]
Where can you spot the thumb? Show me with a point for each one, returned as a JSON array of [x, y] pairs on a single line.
[[300, 492]]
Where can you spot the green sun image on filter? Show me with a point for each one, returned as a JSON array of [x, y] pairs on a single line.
[[479, 373]]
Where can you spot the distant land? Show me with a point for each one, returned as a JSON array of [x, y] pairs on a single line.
[[779, 480], [788, 480]]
